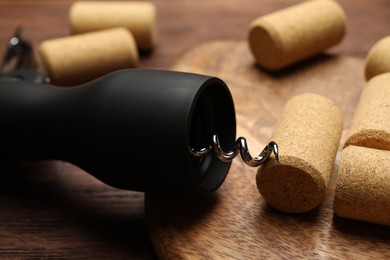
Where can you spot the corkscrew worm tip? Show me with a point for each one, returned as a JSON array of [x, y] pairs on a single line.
[[275, 149]]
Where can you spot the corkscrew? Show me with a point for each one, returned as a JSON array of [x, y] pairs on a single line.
[[112, 127], [240, 147]]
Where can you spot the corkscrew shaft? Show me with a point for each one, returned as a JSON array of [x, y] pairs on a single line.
[[240, 147]]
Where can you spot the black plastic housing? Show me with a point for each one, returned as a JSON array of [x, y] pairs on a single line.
[[131, 129]]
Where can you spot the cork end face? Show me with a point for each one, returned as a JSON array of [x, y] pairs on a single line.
[[72, 17], [292, 185], [263, 47], [378, 59], [370, 138], [134, 60]]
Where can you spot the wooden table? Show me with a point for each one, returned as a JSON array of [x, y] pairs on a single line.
[[55, 210]]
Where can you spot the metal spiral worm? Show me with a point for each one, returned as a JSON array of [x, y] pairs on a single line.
[[240, 147]]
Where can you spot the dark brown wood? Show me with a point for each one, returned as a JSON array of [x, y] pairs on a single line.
[[53, 209], [236, 222]]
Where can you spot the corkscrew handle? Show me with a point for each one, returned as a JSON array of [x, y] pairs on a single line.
[[131, 129]]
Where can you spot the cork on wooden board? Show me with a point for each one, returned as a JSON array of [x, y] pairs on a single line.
[[308, 133], [139, 17], [378, 58], [287, 36], [76, 59], [363, 185], [370, 126]]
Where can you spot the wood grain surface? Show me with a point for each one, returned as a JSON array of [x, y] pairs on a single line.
[[236, 222], [52, 210]]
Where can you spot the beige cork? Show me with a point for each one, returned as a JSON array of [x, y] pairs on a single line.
[[308, 133], [76, 59], [139, 17], [378, 58], [370, 126], [290, 35], [363, 185]]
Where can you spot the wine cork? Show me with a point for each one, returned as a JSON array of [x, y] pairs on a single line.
[[76, 59], [363, 185], [370, 125], [138, 17], [378, 58], [308, 133], [293, 34]]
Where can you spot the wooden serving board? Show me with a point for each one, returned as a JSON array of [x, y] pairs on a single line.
[[235, 222]]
